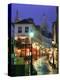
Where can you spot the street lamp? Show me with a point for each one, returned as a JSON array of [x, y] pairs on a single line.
[[31, 35], [16, 37], [53, 44]]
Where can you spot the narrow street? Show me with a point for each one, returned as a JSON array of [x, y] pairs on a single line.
[[42, 66]]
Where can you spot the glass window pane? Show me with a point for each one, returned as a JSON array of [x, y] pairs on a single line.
[[26, 29], [19, 29]]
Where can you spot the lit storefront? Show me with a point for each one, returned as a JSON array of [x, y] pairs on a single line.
[[27, 49]]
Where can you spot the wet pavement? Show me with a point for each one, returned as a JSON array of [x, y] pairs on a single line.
[[42, 66]]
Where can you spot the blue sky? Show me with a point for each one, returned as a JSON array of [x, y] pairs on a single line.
[[38, 13]]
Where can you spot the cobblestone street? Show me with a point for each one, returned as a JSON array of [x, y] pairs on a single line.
[[42, 66]]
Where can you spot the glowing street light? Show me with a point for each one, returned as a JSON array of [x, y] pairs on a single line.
[[53, 42], [16, 38], [31, 34]]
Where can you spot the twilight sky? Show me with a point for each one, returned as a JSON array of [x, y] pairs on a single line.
[[38, 13]]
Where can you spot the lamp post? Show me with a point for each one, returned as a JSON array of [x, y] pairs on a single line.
[[31, 34], [53, 45]]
